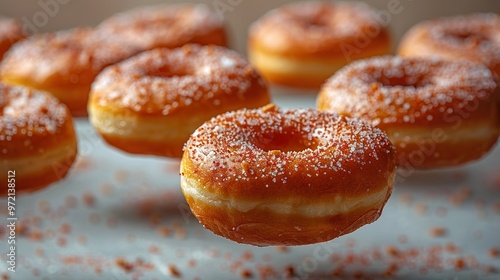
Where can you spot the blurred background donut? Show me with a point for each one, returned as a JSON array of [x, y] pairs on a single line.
[[43, 15]]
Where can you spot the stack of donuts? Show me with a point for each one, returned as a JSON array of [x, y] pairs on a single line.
[[161, 81]]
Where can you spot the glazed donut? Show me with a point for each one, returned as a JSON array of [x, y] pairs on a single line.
[[151, 103], [272, 177], [63, 63], [10, 33], [302, 44], [475, 37], [437, 113], [170, 26], [37, 139]]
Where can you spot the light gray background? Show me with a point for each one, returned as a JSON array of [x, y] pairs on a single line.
[[91, 12]]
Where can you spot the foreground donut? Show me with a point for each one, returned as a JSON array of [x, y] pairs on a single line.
[[437, 113], [10, 32], [171, 26], [474, 37], [63, 63], [151, 103], [272, 177], [302, 44], [37, 139]]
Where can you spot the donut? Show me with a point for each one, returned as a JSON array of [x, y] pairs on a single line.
[[286, 177], [10, 33], [438, 113], [167, 25], [37, 139], [151, 103], [302, 44], [64, 63], [474, 37]]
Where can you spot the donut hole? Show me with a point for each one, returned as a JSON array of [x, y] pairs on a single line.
[[315, 19], [317, 22], [169, 72], [467, 36], [285, 142], [404, 81]]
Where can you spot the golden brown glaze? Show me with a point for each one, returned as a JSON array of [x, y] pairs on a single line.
[[302, 44], [64, 63], [10, 33], [272, 177], [268, 228], [436, 112], [37, 138], [169, 26], [475, 37], [151, 103]]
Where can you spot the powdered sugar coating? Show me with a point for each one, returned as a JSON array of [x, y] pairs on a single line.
[[167, 25], [393, 90], [476, 35], [250, 149], [71, 56], [29, 113], [315, 27], [162, 81]]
